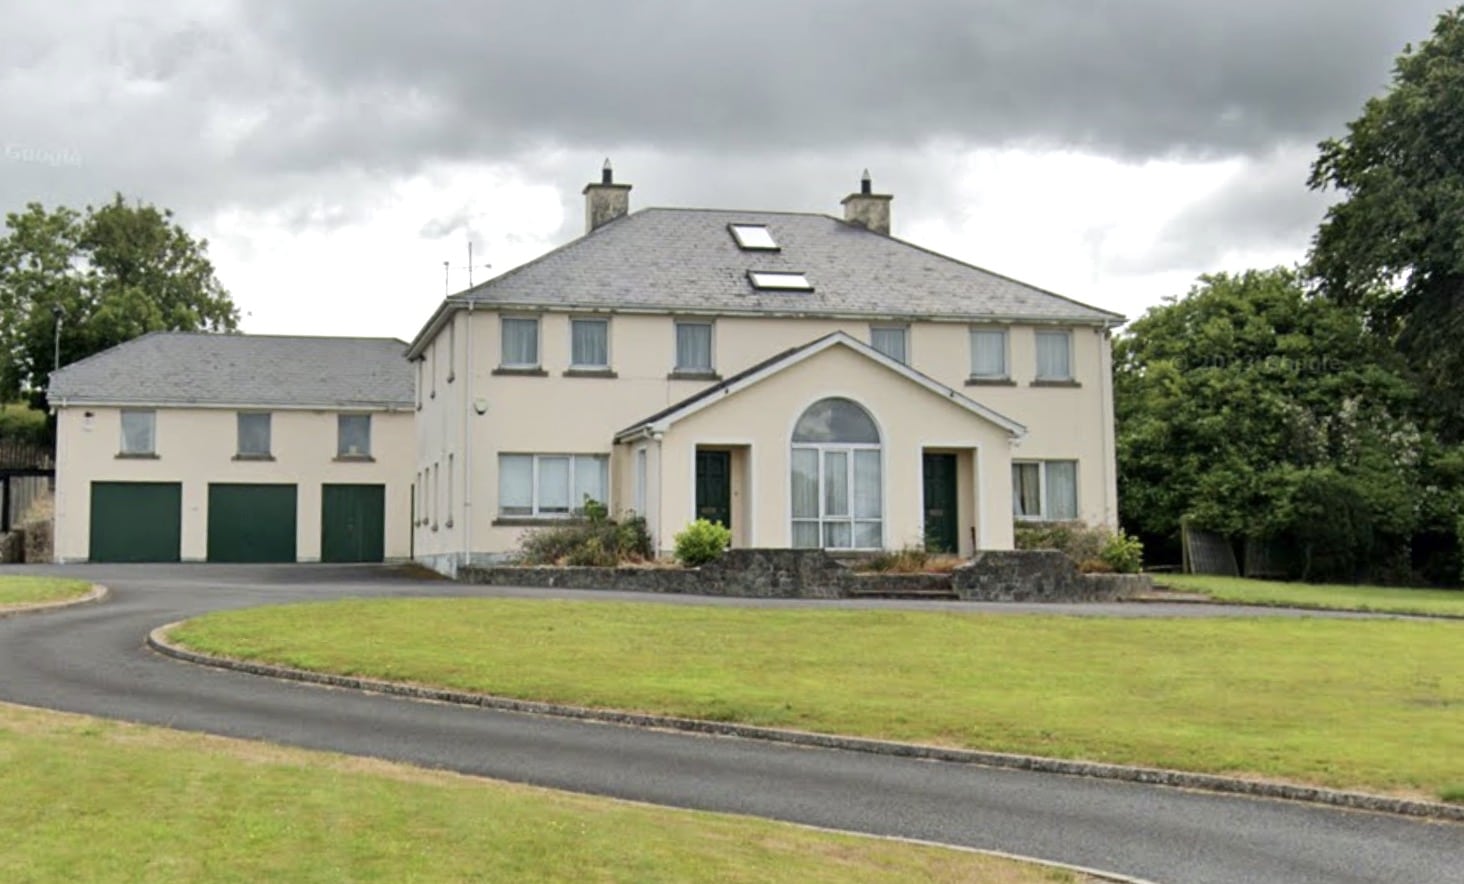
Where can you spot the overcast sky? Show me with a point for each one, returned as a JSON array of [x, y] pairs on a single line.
[[335, 153]]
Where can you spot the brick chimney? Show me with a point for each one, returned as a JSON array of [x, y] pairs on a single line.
[[867, 208], [606, 201]]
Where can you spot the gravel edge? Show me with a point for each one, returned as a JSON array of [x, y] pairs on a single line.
[[157, 640]]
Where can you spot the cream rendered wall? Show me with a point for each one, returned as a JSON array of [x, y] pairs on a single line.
[[196, 446], [910, 418], [559, 413]]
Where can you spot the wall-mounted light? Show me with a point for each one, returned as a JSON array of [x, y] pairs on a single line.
[[480, 406]]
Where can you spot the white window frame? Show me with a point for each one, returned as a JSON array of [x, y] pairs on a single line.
[[824, 448], [1067, 337], [779, 280], [340, 452], [239, 451], [436, 493], [749, 241], [1006, 352], [589, 366], [576, 508], [1043, 515], [152, 449], [904, 331], [448, 522], [711, 327], [452, 349], [538, 342]]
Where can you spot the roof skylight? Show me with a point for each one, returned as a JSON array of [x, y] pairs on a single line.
[[753, 237], [776, 280]]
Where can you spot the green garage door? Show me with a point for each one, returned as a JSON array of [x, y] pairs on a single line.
[[251, 523], [352, 523], [136, 521]]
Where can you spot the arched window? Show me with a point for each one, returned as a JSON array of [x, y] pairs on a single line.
[[837, 499]]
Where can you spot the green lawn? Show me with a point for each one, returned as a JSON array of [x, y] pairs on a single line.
[[16, 589], [93, 800], [1366, 704], [1316, 595]]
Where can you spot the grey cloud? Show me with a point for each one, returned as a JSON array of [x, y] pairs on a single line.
[[1266, 207], [762, 103]]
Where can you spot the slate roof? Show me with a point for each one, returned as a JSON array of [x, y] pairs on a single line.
[[686, 260], [182, 368], [774, 364]]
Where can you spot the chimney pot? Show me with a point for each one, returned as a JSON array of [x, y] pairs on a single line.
[[867, 208], [606, 200]]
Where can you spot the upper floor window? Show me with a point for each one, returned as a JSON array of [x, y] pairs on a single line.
[[694, 347], [520, 343], [1054, 356], [452, 350], [253, 434], [892, 341], [139, 431], [989, 353], [353, 435], [589, 343]]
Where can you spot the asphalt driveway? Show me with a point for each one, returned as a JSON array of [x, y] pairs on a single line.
[[91, 659]]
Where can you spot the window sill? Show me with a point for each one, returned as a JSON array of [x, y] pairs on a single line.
[[534, 521], [125, 455], [990, 382], [261, 457], [520, 372], [1068, 382], [354, 458], [682, 375], [590, 373]]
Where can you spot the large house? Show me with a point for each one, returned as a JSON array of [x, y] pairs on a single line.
[[235, 448], [810, 381]]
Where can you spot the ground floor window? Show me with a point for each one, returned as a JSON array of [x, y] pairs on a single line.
[[551, 485], [1046, 489], [836, 478]]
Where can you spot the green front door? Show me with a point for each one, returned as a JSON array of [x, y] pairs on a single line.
[[714, 486], [251, 523], [352, 523], [136, 521], [940, 503]]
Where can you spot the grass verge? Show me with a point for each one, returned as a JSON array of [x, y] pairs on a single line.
[[17, 590], [1376, 705], [94, 800], [1383, 599]]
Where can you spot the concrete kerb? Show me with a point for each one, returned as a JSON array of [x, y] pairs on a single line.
[[98, 593], [157, 640]]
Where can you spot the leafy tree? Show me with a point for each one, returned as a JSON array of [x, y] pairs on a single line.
[[1394, 244], [1255, 408], [116, 272]]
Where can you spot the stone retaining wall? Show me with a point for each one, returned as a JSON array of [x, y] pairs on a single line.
[[12, 547], [1040, 575]]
